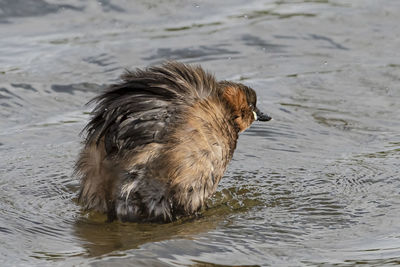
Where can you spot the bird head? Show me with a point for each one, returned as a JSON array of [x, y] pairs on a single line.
[[243, 102]]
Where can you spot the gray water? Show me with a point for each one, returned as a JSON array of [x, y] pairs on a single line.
[[318, 185]]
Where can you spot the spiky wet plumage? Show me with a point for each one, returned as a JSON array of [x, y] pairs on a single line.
[[159, 142]]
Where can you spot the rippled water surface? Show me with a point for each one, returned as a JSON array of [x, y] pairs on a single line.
[[320, 184]]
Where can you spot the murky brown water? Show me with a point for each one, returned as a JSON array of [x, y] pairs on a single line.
[[318, 185]]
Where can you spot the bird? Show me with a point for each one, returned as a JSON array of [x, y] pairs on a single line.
[[159, 141]]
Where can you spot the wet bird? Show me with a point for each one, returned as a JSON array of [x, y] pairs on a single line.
[[159, 142]]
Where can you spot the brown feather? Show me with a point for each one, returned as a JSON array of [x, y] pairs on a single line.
[[159, 142]]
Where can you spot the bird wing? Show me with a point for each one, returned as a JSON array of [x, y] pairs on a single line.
[[128, 116], [147, 105]]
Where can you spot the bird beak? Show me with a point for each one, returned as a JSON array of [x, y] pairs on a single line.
[[259, 116]]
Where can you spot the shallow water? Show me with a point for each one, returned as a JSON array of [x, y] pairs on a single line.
[[318, 185]]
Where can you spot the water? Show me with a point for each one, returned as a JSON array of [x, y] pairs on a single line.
[[318, 185]]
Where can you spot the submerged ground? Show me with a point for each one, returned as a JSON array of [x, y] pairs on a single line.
[[319, 184]]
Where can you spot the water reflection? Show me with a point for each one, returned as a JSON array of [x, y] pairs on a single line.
[[102, 238]]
